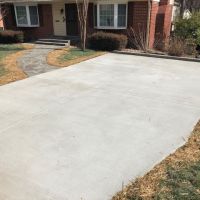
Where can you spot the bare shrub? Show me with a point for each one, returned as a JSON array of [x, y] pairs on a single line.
[[190, 47], [176, 47], [137, 37]]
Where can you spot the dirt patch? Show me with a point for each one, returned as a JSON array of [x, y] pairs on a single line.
[[53, 58], [14, 72], [146, 187]]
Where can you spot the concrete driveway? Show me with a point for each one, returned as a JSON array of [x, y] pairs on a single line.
[[80, 132]]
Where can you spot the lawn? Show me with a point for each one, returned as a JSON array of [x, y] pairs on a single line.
[[5, 50], [69, 56], [74, 53], [182, 183], [177, 177]]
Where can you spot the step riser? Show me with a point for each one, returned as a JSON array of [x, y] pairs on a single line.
[[52, 40], [51, 43]]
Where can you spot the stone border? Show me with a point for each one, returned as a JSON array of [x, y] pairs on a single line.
[[158, 56]]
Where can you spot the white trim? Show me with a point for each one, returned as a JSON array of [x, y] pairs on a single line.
[[27, 15], [115, 3]]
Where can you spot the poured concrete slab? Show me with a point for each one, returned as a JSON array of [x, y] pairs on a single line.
[[80, 132]]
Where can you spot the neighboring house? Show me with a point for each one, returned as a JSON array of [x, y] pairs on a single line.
[[47, 18], [186, 9]]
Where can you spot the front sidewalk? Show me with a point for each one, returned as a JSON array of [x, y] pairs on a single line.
[[35, 61]]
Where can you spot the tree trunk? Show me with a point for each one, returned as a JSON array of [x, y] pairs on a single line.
[[82, 8]]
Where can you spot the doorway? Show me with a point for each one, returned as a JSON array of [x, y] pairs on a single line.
[[71, 19]]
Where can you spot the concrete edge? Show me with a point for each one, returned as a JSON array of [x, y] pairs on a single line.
[[158, 56]]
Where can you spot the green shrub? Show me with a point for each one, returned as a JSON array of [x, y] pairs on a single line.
[[190, 47], [107, 41], [188, 28], [9, 36]]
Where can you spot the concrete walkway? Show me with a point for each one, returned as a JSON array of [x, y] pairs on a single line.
[[80, 132], [34, 61]]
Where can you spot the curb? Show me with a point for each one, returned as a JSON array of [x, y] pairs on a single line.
[[159, 56]]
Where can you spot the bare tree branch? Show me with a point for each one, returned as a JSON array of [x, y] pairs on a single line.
[[191, 5], [137, 37]]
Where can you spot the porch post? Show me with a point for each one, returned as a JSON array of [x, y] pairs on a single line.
[[152, 28], [167, 20]]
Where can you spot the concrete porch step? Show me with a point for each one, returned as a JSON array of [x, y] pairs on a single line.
[[53, 41]]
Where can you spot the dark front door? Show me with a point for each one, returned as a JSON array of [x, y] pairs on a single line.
[[71, 19]]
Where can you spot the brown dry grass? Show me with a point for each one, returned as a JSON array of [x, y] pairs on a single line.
[[53, 58], [10, 64], [147, 186]]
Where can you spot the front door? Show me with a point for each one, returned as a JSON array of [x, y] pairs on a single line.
[[71, 19]]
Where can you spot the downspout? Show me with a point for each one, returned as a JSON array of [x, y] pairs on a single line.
[[148, 24]]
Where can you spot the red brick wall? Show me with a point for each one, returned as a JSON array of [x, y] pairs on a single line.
[[140, 14], [46, 23], [152, 28], [163, 22], [137, 15]]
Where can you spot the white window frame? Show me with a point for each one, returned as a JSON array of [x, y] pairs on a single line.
[[28, 15], [115, 15]]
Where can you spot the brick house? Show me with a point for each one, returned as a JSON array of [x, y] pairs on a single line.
[[47, 18]]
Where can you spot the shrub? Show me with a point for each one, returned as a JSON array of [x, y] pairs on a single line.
[[190, 47], [188, 28], [9, 36], [176, 47], [107, 41]]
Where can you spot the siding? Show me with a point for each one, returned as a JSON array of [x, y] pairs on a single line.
[[59, 22]]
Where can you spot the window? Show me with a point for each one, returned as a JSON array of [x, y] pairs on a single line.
[[106, 15], [27, 15], [21, 15], [33, 15], [121, 15], [110, 16]]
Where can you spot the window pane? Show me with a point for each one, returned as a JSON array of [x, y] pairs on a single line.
[[33, 15], [106, 12], [121, 15], [21, 15]]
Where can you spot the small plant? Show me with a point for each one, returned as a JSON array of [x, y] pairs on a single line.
[[9, 36], [107, 41], [137, 37], [190, 47], [176, 47]]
